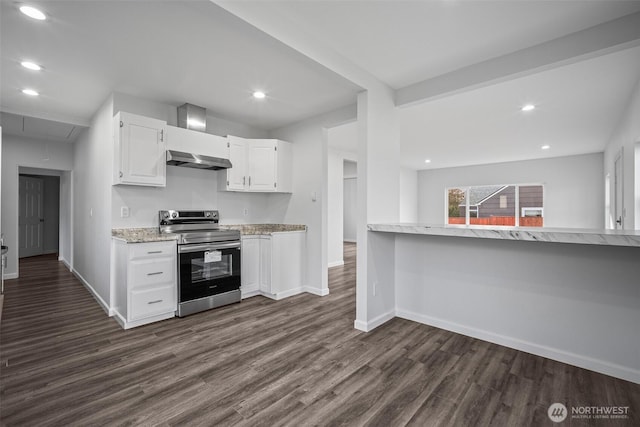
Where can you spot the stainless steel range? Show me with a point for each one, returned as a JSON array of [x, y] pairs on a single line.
[[208, 260]]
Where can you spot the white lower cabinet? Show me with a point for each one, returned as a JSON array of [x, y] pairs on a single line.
[[272, 265], [145, 285]]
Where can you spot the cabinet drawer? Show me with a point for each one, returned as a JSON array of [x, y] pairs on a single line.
[[149, 302], [152, 250], [151, 272]]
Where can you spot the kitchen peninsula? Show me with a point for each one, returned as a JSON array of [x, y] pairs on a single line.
[[567, 294]]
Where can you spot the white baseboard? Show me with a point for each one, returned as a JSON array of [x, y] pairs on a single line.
[[9, 276], [245, 295], [365, 326], [336, 263], [596, 365], [93, 292], [66, 263], [349, 240], [316, 291]]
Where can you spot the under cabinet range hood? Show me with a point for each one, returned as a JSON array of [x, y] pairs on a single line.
[[197, 161]]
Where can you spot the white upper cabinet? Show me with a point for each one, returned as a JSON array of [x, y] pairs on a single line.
[[263, 165], [258, 165], [139, 144], [191, 141], [236, 176]]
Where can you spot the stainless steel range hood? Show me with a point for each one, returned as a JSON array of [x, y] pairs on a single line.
[[197, 161], [194, 118]]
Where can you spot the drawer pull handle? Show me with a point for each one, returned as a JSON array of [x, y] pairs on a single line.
[[154, 274], [154, 252], [155, 302]]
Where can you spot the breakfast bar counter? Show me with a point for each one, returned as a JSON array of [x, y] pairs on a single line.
[[570, 295], [531, 234]]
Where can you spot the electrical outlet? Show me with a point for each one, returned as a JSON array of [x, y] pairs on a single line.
[[245, 211], [124, 212]]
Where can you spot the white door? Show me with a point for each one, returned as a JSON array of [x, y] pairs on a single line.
[[236, 175], [30, 217], [262, 165], [618, 193]]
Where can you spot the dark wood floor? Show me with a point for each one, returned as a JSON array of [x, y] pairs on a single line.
[[294, 362]]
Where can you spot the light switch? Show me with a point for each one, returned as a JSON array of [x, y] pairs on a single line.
[[314, 196]]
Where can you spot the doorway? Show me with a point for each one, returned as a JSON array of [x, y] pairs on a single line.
[[350, 202], [38, 214]]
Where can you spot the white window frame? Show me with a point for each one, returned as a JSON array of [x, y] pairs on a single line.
[[467, 221], [531, 208]]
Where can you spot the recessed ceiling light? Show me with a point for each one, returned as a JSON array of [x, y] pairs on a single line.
[[528, 107], [427, 161], [31, 65], [545, 147], [30, 92], [259, 95], [32, 12]]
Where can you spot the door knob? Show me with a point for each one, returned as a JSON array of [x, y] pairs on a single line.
[[619, 220]]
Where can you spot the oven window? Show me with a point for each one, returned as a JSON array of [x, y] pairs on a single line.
[[210, 266]]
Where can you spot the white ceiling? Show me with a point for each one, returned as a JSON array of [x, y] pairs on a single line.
[[195, 51], [36, 128], [166, 51], [404, 42], [578, 107]]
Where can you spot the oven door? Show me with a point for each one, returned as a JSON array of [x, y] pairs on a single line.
[[208, 269]]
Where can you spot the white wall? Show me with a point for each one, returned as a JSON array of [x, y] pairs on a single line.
[[93, 163], [66, 221], [408, 195], [19, 151], [575, 303], [573, 187], [625, 137], [378, 201], [310, 166], [186, 189]]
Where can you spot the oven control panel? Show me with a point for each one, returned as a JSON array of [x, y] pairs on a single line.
[[191, 217]]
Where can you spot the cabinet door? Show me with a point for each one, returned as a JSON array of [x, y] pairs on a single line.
[[262, 165], [149, 302], [265, 264], [250, 264], [236, 175], [142, 158]]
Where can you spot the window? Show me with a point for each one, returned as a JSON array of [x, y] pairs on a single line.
[[496, 205]]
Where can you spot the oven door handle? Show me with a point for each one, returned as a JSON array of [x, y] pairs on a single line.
[[184, 249]]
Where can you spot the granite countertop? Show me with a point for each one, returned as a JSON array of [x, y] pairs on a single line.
[[142, 235], [558, 235], [152, 234], [263, 229]]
